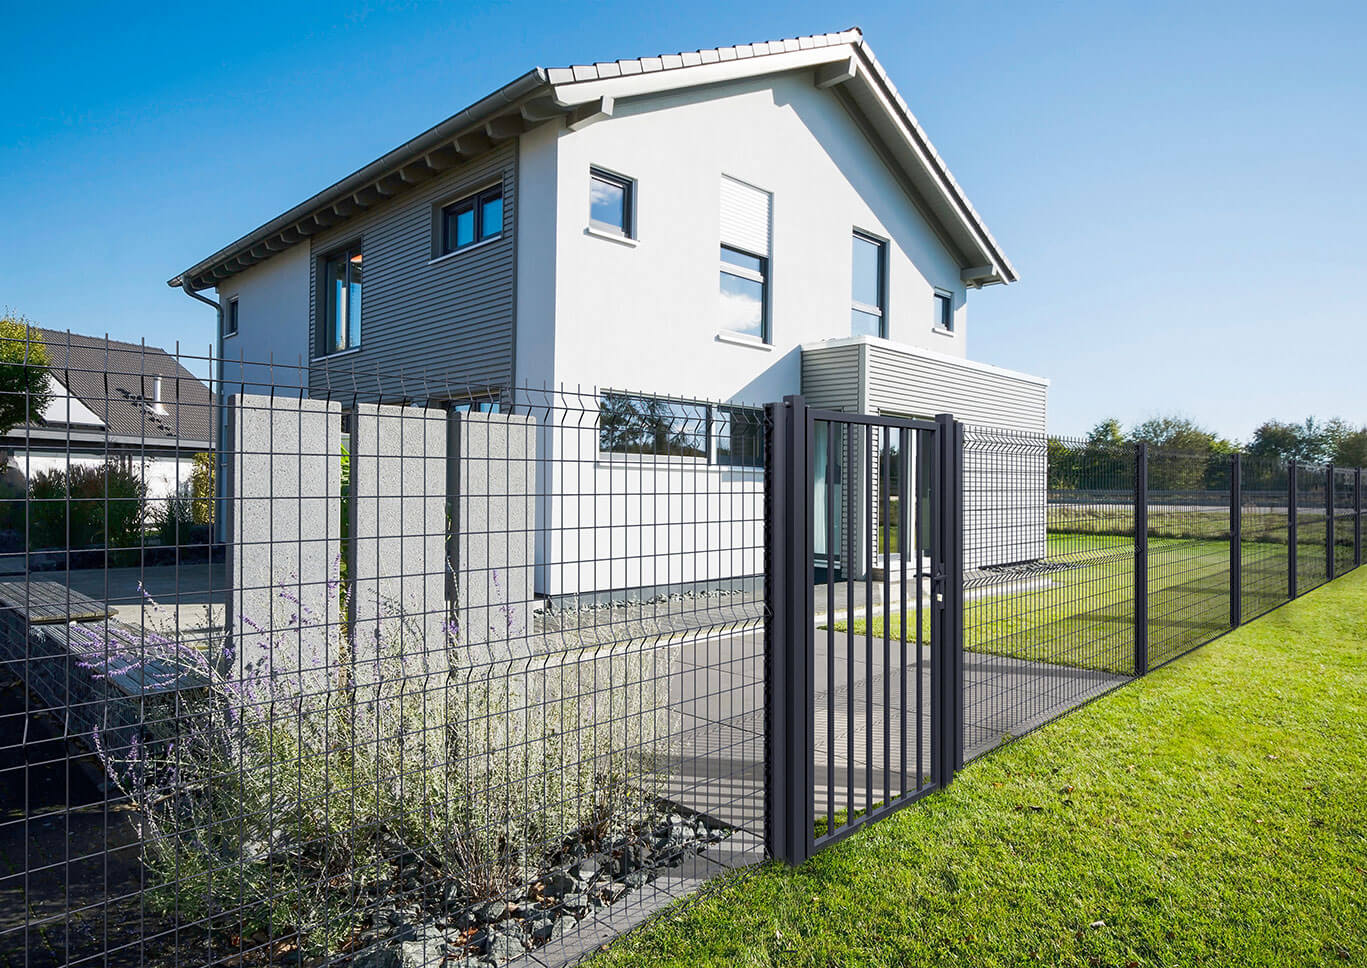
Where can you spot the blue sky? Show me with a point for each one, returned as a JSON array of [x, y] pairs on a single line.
[[1182, 187]]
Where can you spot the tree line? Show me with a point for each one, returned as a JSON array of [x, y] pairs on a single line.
[[1185, 455]]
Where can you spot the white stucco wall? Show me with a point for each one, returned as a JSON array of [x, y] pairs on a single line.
[[646, 316], [273, 322]]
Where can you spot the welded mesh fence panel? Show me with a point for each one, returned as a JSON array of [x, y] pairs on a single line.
[[1264, 535], [298, 680], [1189, 551], [1344, 519], [1049, 601], [1312, 565]]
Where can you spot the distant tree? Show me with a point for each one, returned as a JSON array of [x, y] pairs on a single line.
[[24, 386], [1277, 439], [1350, 449], [1181, 454], [1106, 432]]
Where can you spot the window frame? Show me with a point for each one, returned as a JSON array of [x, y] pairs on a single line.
[[710, 422], [628, 186], [881, 310], [443, 244], [346, 251], [943, 301], [231, 318], [762, 277]]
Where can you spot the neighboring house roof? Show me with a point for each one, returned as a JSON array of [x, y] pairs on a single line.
[[107, 389], [584, 94]]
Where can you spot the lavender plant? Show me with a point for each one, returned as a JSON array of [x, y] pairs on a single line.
[[271, 797]]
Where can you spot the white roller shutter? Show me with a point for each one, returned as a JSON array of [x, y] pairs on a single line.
[[745, 216]]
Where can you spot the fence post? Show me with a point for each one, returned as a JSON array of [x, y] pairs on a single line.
[[1236, 555], [788, 631], [1357, 516], [1292, 523], [1329, 523], [947, 654], [1141, 559]]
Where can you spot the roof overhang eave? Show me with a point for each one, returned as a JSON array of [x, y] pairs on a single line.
[[476, 117]]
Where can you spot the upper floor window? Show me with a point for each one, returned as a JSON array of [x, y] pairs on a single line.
[[610, 203], [744, 293], [341, 329], [230, 318], [746, 222], [476, 218], [868, 290], [944, 311]]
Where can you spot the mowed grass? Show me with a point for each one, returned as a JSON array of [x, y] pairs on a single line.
[[1211, 813], [1082, 615]]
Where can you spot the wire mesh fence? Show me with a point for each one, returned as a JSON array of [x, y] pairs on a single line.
[[1147, 553], [471, 673], [309, 669]]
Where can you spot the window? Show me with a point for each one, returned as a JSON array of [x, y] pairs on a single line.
[[868, 289], [744, 293], [944, 312], [341, 329], [230, 318], [652, 426], [740, 436], [657, 427], [481, 403], [610, 203], [477, 218]]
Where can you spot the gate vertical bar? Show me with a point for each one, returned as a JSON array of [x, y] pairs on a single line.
[[1329, 489], [1141, 559], [788, 632], [1357, 516], [1292, 525], [956, 587], [1236, 554]]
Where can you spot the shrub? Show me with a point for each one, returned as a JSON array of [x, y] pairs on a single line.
[[202, 489], [307, 788], [100, 506]]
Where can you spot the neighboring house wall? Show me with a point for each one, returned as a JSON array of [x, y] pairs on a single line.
[[781, 134], [428, 322]]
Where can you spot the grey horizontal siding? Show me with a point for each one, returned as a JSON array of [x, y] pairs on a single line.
[[426, 328], [916, 385], [831, 377]]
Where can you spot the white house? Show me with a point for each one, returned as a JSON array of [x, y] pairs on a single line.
[[726, 225]]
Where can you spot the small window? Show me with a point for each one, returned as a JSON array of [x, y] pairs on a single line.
[[610, 203], [230, 318], [744, 293], [944, 312], [653, 426], [341, 329], [740, 436], [868, 288], [477, 218]]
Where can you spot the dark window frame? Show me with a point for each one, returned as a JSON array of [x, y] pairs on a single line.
[[325, 344], [880, 310], [475, 203], [230, 318], [761, 276], [628, 187], [703, 428], [943, 302]]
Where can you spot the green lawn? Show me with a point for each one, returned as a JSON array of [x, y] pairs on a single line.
[[1211, 813], [1083, 615]]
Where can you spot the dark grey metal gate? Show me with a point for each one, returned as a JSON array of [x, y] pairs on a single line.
[[864, 592]]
